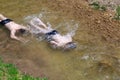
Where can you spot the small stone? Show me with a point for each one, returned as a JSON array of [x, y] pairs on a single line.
[[98, 21]]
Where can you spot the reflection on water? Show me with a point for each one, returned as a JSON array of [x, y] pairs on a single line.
[[91, 60]]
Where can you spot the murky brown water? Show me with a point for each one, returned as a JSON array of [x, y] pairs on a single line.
[[93, 59]]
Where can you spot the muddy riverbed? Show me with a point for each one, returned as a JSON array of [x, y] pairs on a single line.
[[97, 56]]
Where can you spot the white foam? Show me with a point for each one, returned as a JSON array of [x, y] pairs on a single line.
[[70, 26]]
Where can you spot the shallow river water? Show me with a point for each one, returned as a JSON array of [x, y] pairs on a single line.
[[91, 60]]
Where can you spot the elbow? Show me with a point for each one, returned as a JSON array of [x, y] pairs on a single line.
[[14, 37]]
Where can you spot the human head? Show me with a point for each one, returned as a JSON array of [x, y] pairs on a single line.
[[67, 46], [22, 31], [70, 45]]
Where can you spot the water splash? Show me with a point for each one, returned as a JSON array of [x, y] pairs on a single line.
[[69, 26]]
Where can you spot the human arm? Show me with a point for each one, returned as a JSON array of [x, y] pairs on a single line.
[[12, 35], [53, 42]]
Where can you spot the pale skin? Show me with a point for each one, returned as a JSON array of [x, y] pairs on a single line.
[[58, 40], [13, 27]]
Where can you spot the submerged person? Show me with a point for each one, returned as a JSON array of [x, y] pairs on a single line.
[[13, 27], [52, 36]]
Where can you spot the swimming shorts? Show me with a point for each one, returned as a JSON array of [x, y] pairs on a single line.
[[49, 35], [3, 22], [53, 32]]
